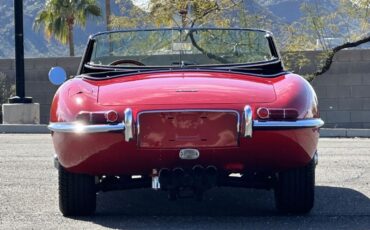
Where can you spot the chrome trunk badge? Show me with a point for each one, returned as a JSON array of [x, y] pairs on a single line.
[[189, 154]]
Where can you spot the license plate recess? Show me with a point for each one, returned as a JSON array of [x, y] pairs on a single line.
[[196, 129]]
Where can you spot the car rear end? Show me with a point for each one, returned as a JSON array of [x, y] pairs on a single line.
[[187, 128]]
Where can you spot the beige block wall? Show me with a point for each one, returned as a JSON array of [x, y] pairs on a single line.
[[343, 92]]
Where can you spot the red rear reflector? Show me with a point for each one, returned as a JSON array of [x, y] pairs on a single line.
[[291, 114], [263, 113], [111, 116], [276, 114]]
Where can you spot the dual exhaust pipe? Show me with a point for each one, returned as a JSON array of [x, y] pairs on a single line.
[[198, 178]]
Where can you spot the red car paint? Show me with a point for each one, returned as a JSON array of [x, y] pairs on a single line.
[[108, 153]]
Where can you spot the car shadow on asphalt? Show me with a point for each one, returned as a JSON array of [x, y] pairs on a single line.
[[114, 208]]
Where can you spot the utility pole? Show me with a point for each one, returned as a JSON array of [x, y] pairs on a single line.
[[108, 14], [20, 109], [19, 55]]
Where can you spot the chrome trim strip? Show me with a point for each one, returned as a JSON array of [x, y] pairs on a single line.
[[306, 123], [76, 127], [248, 122], [189, 110], [129, 134]]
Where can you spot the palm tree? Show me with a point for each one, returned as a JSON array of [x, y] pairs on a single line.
[[60, 16]]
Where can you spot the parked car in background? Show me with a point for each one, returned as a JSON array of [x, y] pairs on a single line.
[[184, 109]]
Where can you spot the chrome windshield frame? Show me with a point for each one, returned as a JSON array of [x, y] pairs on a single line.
[[92, 39]]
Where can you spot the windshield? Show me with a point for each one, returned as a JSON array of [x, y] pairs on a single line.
[[180, 47]]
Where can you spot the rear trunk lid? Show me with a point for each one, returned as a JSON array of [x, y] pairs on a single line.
[[186, 88]]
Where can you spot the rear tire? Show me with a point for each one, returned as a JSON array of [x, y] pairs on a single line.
[[77, 195], [295, 189]]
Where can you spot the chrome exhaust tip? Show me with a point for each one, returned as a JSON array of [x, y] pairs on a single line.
[[211, 170], [198, 168], [178, 175], [198, 172], [211, 174], [165, 178], [155, 180]]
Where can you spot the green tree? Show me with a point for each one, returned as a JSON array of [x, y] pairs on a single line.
[[348, 25], [176, 13], [60, 16], [164, 13], [349, 21]]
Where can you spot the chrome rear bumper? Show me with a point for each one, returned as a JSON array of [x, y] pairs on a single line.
[[128, 123], [74, 127], [299, 124]]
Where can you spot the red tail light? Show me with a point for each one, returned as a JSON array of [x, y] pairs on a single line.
[[291, 114], [100, 117], [277, 114]]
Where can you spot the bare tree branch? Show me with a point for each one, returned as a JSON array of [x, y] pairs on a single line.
[[205, 13], [329, 59], [208, 54]]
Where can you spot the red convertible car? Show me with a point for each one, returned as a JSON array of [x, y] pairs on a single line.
[[183, 110]]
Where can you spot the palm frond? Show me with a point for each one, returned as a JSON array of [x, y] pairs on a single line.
[[59, 16]]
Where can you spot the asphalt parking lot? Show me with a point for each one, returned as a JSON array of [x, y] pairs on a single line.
[[28, 195]]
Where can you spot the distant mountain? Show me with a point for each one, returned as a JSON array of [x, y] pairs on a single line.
[[290, 10], [255, 7], [35, 44], [287, 10], [277, 11]]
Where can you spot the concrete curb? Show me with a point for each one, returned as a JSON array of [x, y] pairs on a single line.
[[344, 132], [5, 128], [24, 128]]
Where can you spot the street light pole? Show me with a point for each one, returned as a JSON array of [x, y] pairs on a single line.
[[19, 55]]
